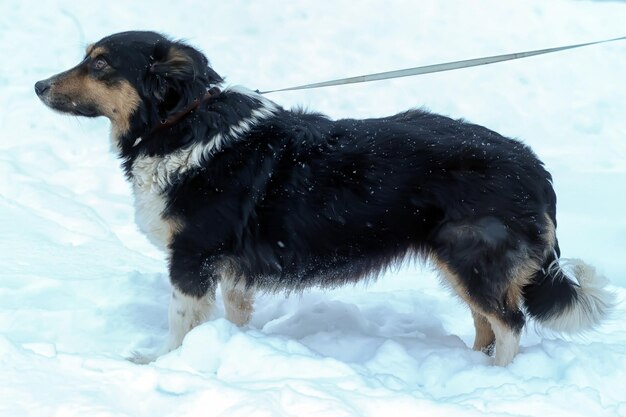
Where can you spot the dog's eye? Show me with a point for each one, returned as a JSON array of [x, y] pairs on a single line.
[[99, 64]]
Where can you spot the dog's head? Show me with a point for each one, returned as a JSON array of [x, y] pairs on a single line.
[[135, 79]]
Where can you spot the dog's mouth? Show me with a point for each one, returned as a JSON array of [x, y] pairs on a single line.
[[84, 111], [65, 104], [72, 107]]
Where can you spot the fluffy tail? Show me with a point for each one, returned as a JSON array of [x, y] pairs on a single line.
[[559, 303]]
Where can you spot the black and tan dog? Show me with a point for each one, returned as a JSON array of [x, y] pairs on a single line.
[[242, 192]]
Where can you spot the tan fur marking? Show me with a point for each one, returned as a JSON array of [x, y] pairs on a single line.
[[452, 280], [521, 276], [88, 49], [117, 102], [506, 340], [170, 227], [549, 234], [94, 52], [177, 58], [238, 305], [238, 299], [484, 333]]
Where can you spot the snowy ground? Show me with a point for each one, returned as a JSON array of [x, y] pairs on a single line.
[[80, 288]]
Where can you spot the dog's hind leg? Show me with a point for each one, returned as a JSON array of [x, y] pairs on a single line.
[[501, 324], [496, 312], [507, 338], [488, 266], [485, 337]]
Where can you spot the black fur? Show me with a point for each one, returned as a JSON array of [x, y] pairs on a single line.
[[298, 200], [550, 292]]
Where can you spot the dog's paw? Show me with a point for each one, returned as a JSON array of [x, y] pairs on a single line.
[[490, 349]]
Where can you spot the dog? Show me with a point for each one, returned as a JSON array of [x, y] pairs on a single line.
[[242, 192]]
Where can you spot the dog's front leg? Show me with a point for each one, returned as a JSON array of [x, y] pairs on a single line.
[[238, 300], [193, 279], [185, 313]]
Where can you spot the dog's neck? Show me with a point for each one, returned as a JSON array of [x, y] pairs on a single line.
[[225, 117], [177, 117]]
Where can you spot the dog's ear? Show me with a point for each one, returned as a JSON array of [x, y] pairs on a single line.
[[178, 75]]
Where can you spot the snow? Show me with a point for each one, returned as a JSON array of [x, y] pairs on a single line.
[[81, 289]]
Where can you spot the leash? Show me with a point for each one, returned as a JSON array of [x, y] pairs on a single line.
[[448, 66]]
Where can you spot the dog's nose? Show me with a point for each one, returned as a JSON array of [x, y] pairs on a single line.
[[41, 87]]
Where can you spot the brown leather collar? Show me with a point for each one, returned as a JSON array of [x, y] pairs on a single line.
[[175, 118]]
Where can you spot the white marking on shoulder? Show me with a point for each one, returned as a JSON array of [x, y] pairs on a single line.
[[162, 172], [266, 109]]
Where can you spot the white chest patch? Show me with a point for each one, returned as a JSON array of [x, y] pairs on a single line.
[[153, 175], [150, 203]]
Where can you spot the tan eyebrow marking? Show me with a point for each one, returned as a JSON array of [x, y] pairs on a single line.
[[89, 49], [97, 51]]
